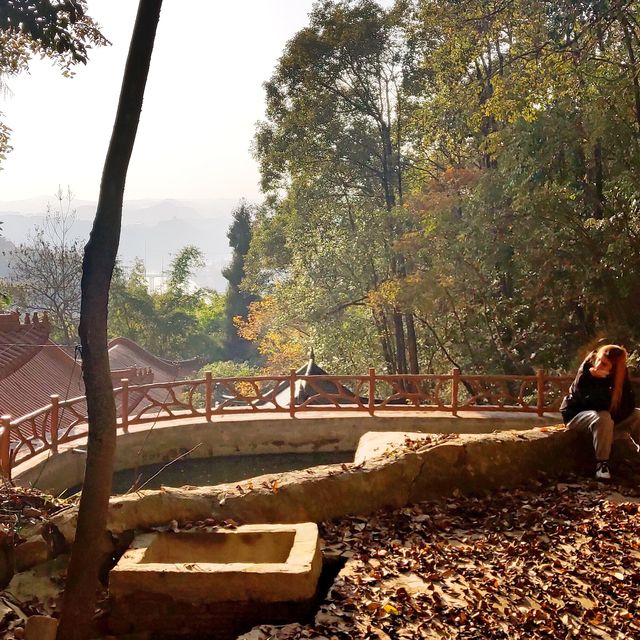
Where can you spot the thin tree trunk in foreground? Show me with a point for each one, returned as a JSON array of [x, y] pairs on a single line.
[[97, 268]]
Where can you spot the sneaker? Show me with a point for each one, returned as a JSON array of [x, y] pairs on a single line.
[[602, 470]]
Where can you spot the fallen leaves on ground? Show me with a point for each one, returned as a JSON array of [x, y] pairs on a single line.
[[21, 507], [560, 561], [22, 512]]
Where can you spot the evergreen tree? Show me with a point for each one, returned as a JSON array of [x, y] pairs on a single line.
[[237, 301]]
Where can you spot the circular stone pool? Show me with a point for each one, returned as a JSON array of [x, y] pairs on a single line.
[[218, 470]]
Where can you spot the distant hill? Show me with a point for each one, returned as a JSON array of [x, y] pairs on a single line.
[[133, 211], [153, 230]]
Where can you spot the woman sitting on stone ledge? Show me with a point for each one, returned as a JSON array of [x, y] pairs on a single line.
[[601, 399]]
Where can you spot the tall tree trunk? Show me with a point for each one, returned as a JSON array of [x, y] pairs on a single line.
[[401, 350], [598, 180], [387, 177], [633, 63], [99, 260], [412, 343], [385, 342]]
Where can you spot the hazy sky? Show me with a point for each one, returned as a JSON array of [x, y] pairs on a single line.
[[203, 98]]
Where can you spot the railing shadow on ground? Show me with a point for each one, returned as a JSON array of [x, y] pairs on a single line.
[[63, 421]]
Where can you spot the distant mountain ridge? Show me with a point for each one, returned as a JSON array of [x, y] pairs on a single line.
[[133, 211], [153, 230]]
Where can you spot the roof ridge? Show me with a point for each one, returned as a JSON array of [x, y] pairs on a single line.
[[175, 365], [18, 354], [140, 349]]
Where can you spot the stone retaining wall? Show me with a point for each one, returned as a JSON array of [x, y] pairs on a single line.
[[247, 434], [468, 464]]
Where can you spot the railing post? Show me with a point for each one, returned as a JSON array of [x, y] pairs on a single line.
[[292, 392], [207, 394], [54, 422], [5, 447], [125, 405], [372, 391], [455, 383], [540, 381]]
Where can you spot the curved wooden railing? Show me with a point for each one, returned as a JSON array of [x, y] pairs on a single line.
[[63, 421]]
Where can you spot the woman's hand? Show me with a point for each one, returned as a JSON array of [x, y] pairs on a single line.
[[601, 367]]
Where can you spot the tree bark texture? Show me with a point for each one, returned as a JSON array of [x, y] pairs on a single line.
[[412, 344], [401, 349], [633, 64], [99, 260]]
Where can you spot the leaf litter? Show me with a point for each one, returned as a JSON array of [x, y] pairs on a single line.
[[23, 511], [560, 560], [557, 560]]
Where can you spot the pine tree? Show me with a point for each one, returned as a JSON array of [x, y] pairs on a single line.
[[237, 301]]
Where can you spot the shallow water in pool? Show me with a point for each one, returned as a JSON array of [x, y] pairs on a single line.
[[211, 471]]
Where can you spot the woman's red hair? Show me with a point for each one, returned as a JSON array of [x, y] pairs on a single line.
[[617, 355]]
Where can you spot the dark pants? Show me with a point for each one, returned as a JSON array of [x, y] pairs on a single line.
[[604, 429]]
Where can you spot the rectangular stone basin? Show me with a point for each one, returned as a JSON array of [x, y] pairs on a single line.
[[188, 575], [219, 547]]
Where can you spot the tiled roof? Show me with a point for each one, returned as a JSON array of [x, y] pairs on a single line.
[[124, 353], [19, 342], [305, 389], [50, 371], [133, 374], [33, 368]]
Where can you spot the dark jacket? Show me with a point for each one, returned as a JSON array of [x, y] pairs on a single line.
[[590, 393]]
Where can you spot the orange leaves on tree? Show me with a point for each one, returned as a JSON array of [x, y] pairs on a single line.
[[279, 344]]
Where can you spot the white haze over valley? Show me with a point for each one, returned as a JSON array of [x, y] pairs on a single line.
[[191, 162], [152, 230]]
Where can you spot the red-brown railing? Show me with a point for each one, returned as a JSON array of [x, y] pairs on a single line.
[[61, 422]]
